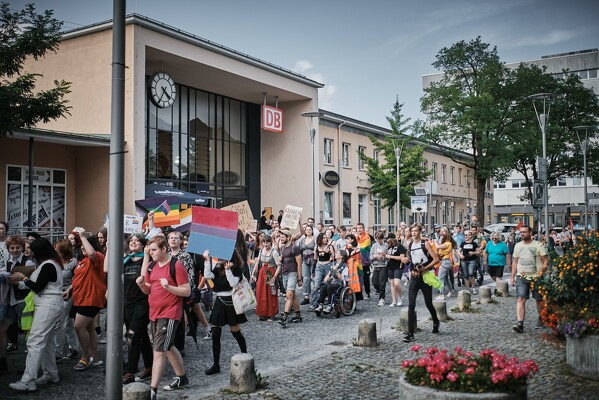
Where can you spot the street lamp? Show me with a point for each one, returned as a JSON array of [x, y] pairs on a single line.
[[398, 149], [312, 132], [547, 98], [584, 145]]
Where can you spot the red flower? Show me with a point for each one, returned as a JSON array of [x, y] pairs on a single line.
[[469, 371], [452, 376], [415, 348]]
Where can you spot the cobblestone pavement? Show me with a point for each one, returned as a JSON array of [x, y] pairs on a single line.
[[315, 359]]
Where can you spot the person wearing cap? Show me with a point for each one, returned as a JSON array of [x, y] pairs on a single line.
[[290, 268]]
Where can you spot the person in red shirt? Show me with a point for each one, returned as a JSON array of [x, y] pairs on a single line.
[[88, 290], [166, 308]]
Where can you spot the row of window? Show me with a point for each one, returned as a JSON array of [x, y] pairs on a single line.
[[345, 154], [521, 183], [583, 74]]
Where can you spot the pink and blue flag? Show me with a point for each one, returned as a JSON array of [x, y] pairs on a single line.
[[214, 230], [164, 207]]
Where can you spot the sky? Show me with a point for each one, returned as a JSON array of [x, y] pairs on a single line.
[[367, 53]]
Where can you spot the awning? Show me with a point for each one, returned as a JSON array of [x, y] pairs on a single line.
[[156, 190]]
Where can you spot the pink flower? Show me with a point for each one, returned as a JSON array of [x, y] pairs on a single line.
[[452, 376], [469, 371], [415, 348], [407, 363], [458, 350]]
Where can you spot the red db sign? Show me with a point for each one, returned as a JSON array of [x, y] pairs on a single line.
[[272, 119]]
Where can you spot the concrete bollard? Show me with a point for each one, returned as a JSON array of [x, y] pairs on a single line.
[[485, 294], [403, 321], [367, 333], [243, 375], [441, 307], [136, 391], [503, 289], [464, 301]]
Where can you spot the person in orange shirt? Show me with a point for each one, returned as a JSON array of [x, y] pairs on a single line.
[[89, 297]]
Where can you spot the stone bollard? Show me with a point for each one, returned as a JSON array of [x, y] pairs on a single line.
[[503, 289], [441, 307], [367, 333], [243, 375], [136, 391], [403, 321], [485, 294], [464, 301]]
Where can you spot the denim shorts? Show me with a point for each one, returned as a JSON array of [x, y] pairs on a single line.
[[523, 289], [290, 281]]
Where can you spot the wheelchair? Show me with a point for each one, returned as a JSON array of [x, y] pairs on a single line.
[[344, 302]]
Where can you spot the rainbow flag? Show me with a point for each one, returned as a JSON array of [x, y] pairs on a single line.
[[161, 219], [214, 230], [365, 244]]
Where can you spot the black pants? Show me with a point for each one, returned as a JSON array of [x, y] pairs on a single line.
[[327, 290], [180, 335], [417, 284], [379, 280], [366, 269], [136, 318]]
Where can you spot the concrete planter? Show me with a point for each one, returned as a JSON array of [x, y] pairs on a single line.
[[582, 356], [408, 392]]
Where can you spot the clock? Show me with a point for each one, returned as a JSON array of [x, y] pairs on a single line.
[[162, 90]]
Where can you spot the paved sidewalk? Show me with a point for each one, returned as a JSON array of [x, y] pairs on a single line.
[[315, 359]]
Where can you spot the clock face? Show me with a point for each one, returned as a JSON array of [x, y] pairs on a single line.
[[162, 90]]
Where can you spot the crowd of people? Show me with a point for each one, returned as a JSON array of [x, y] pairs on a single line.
[[54, 292]]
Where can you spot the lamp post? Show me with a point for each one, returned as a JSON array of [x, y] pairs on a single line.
[[398, 149], [584, 145], [312, 132], [546, 98]]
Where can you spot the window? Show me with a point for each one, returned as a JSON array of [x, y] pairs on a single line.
[[451, 173], [346, 205], [328, 208], [375, 155], [425, 165], [592, 74], [434, 169], [345, 155], [460, 177], [361, 152], [328, 151], [561, 181], [443, 178], [516, 183], [577, 181], [377, 212], [499, 185]]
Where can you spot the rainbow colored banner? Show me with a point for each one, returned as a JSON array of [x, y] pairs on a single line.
[[214, 230], [164, 214]]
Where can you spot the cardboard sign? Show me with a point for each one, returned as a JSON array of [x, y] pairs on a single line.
[[245, 219], [291, 216]]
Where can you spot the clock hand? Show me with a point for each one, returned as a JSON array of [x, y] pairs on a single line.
[[164, 91]]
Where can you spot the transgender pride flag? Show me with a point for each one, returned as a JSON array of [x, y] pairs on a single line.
[[214, 230]]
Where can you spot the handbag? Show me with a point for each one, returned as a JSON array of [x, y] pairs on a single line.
[[243, 297]]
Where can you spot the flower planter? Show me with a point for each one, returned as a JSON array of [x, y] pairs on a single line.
[[582, 356], [408, 392]]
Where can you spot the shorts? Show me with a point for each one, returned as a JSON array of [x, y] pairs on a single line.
[[394, 272], [290, 281], [163, 332], [86, 311], [523, 289], [495, 271]]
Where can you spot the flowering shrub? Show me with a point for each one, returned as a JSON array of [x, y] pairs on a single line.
[[462, 371], [571, 290]]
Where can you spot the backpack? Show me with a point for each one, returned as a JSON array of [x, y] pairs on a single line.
[[424, 250], [172, 269]]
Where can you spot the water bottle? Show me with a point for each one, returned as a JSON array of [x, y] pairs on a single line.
[[273, 288]]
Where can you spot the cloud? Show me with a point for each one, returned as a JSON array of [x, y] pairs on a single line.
[[327, 93], [547, 39]]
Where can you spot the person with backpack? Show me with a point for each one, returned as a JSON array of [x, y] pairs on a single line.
[[166, 282], [423, 260]]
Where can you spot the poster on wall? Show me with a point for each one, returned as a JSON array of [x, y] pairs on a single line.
[[44, 206], [13, 204], [58, 207]]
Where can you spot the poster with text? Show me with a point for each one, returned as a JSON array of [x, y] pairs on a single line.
[[291, 216], [245, 219]]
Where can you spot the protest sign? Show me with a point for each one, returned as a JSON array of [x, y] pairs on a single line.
[[245, 219], [131, 224], [291, 216], [214, 230]]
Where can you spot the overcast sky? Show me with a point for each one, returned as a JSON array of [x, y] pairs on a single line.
[[366, 52]]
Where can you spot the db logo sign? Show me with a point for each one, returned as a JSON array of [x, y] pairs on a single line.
[[272, 119]]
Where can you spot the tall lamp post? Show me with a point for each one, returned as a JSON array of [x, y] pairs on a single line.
[[584, 145], [398, 149], [312, 132], [546, 98]]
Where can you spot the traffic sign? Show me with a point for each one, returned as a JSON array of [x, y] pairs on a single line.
[[419, 203]]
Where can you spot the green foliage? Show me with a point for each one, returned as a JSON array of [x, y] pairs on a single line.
[[383, 177], [26, 34]]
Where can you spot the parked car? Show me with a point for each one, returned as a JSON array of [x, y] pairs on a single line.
[[503, 228]]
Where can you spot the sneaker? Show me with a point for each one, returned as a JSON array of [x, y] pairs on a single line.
[[296, 319], [177, 383], [435, 328], [319, 308], [45, 379], [144, 375], [451, 293], [215, 369], [283, 323], [519, 327], [399, 303], [367, 297], [408, 337], [153, 394], [12, 347], [95, 363], [327, 309], [208, 335], [392, 305], [23, 386], [128, 378], [473, 291], [381, 302], [305, 301], [539, 324]]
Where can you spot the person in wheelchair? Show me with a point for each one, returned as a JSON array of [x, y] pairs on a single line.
[[335, 279]]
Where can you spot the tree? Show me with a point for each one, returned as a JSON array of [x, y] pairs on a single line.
[[383, 178], [26, 34]]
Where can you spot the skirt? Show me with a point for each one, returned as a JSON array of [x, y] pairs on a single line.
[[223, 313]]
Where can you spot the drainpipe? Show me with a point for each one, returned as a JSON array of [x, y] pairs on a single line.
[[339, 160]]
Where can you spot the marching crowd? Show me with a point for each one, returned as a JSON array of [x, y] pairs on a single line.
[[54, 292]]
